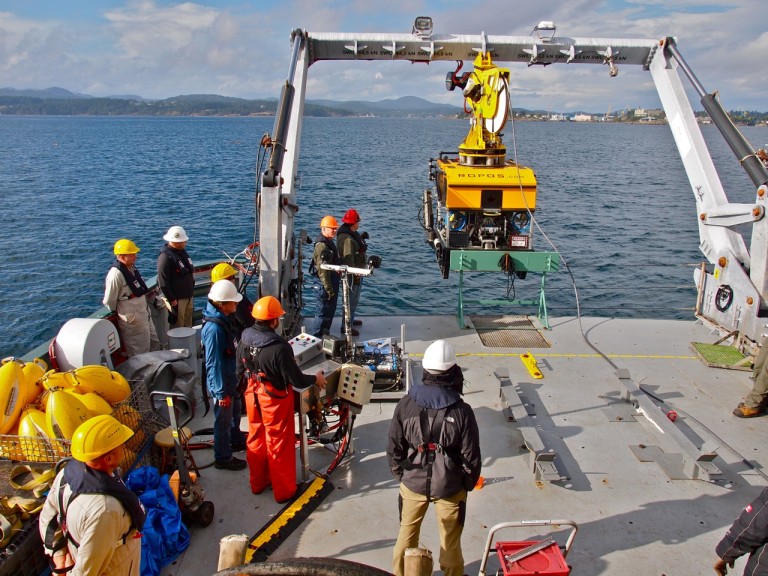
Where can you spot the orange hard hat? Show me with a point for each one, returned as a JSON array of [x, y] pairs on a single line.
[[329, 222], [267, 308]]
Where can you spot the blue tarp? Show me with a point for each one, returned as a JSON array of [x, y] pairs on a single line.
[[165, 536]]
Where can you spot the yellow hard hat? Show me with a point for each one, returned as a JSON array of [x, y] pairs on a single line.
[[329, 222], [267, 308], [222, 271], [125, 246], [97, 436]]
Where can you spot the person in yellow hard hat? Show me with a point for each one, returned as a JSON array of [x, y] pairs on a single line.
[[325, 283], [267, 361], [242, 317], [103, 518], [126, 294]]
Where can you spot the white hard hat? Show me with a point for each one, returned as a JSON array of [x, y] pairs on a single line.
[[176, 234], [224, 291], [439, 356]]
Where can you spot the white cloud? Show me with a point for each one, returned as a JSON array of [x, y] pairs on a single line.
[[159, 49]]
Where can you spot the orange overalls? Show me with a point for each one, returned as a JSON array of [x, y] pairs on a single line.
[[271, 443]]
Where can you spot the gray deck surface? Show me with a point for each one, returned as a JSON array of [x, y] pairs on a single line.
[[632, 518]]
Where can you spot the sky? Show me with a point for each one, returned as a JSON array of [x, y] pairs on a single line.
[[162, 48]]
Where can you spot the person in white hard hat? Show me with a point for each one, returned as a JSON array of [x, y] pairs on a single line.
[[175, 276], [434, 451], [219, 342]]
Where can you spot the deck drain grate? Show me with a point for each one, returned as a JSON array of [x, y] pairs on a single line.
[[718, 356], [503, 331]]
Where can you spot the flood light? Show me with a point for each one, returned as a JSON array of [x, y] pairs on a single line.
[[422, 26], [545, 30]]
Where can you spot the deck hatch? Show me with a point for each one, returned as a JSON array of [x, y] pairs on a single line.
[[718, 356], [505, 331]]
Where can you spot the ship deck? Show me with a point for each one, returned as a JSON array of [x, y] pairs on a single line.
[[630, 512]]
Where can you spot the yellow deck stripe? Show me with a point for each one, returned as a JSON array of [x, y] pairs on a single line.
[[283, 518]]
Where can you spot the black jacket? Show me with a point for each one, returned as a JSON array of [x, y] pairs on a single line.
[[275, 359], [242, 317], [175, 274], [749, 535], [457, 462]]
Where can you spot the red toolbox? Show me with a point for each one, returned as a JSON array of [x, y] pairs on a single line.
[[547, 561], [543, 557]]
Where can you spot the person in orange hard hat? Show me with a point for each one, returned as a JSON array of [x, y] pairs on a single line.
[[91, 522], [266, 359], [325, 283], [125, 293], [352, 249]]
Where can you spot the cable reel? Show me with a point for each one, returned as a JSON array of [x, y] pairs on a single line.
[[724, 297]]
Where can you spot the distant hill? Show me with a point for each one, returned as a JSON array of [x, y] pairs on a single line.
[[407, 105], [47, 93], [59, 101]]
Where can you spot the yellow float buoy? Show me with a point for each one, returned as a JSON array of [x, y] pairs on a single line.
[[64, 412], [108, 384], [33, 379], [95, 404], [33, 435], [11, 389]]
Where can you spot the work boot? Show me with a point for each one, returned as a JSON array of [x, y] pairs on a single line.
[[357, 322], [354, 332], [231, 464], [744, 411]]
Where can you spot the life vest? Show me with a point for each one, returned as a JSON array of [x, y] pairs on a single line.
[[180, 259], [329, 244], [345, 229], [430, 445], [133, 279], [258, 380]]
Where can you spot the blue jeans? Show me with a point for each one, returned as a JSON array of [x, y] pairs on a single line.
[[226, 424], [325, 308]]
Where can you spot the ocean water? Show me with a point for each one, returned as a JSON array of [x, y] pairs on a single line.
[[613, 199]]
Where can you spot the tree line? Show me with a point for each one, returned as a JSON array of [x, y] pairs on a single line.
[[31, 106]]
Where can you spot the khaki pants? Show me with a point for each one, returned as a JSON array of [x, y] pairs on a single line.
[[450, 522], [759, 393], [185, 308]]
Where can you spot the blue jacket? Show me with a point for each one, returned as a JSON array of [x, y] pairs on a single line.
[[219, 342]]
